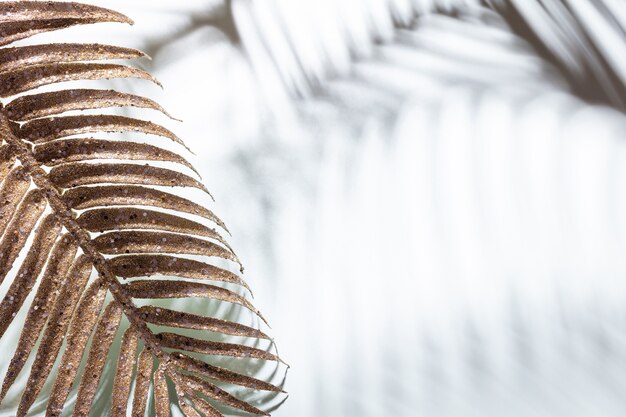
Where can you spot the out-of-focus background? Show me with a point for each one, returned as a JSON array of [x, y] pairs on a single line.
[[429, 196]]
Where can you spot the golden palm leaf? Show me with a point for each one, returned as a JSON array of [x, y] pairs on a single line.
[[77, 205]]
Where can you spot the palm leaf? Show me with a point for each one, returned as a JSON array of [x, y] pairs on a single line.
[[47, 173]]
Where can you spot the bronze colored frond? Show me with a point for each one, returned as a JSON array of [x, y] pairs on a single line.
[[95, 226]]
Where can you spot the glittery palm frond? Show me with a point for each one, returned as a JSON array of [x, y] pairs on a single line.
[[82, 218]]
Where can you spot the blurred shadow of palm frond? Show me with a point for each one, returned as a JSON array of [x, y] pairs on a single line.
[[461, 252]]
